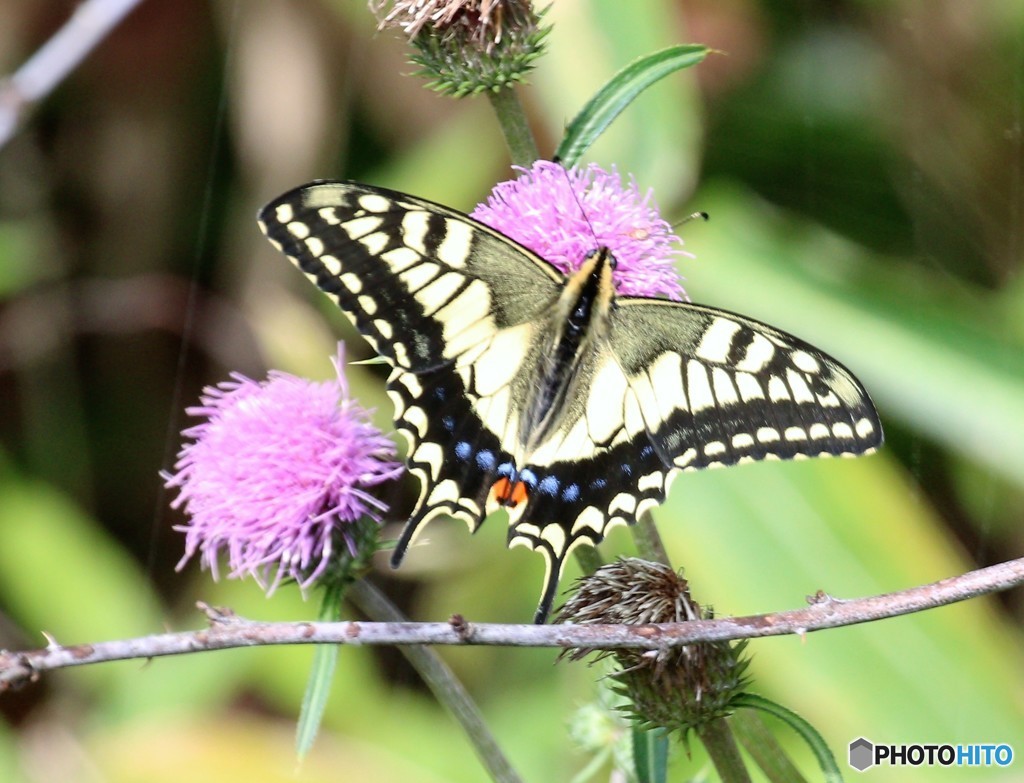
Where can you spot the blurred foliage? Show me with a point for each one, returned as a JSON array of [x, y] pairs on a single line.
[[863, 166]]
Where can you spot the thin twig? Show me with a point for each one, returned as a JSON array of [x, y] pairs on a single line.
[[91, 22], [228, 631]]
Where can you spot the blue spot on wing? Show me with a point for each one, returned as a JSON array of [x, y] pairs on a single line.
[[548, 485], [571, 493], [463, 450]]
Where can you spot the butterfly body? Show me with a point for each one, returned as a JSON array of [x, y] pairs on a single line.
[[548, 395]]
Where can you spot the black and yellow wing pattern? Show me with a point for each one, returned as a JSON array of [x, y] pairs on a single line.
[[519, 387]]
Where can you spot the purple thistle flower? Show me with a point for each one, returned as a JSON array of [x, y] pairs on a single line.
[[276, 474], [563, 214]]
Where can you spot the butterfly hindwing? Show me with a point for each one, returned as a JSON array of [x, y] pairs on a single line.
[[454, 456], [577, 500]]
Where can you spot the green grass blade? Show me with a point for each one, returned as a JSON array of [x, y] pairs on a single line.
[[318, 687], [650, 755]]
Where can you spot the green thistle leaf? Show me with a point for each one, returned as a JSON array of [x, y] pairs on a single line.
[[618, 93], [809, 734]]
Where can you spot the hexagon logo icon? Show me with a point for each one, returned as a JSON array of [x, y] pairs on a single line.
[[862, 754]]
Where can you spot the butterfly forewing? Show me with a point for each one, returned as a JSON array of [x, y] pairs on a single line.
[[421, 282], [466, 316]]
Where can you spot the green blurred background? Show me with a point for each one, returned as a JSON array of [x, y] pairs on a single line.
[[863, 164]]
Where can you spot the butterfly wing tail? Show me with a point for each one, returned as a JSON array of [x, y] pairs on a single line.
[[547, 597], [555, 546], [436, 501], [409, 532]]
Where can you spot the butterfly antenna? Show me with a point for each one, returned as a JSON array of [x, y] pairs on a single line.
[[692, 216], [579, 204]]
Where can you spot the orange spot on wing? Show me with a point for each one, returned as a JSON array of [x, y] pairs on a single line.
[[509, 494]]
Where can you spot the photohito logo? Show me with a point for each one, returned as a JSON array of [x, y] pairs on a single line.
[[865, 754]]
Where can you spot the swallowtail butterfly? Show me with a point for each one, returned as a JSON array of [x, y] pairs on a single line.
[[519, 387]]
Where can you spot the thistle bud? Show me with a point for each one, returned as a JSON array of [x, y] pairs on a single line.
[[678, 689], [464, 47]]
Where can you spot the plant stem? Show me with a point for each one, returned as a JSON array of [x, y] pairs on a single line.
[[717, 736], [589, 558], [648, 541], [763, 746], [512, 118], [721, 746], [446, 688], [650, 547]]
